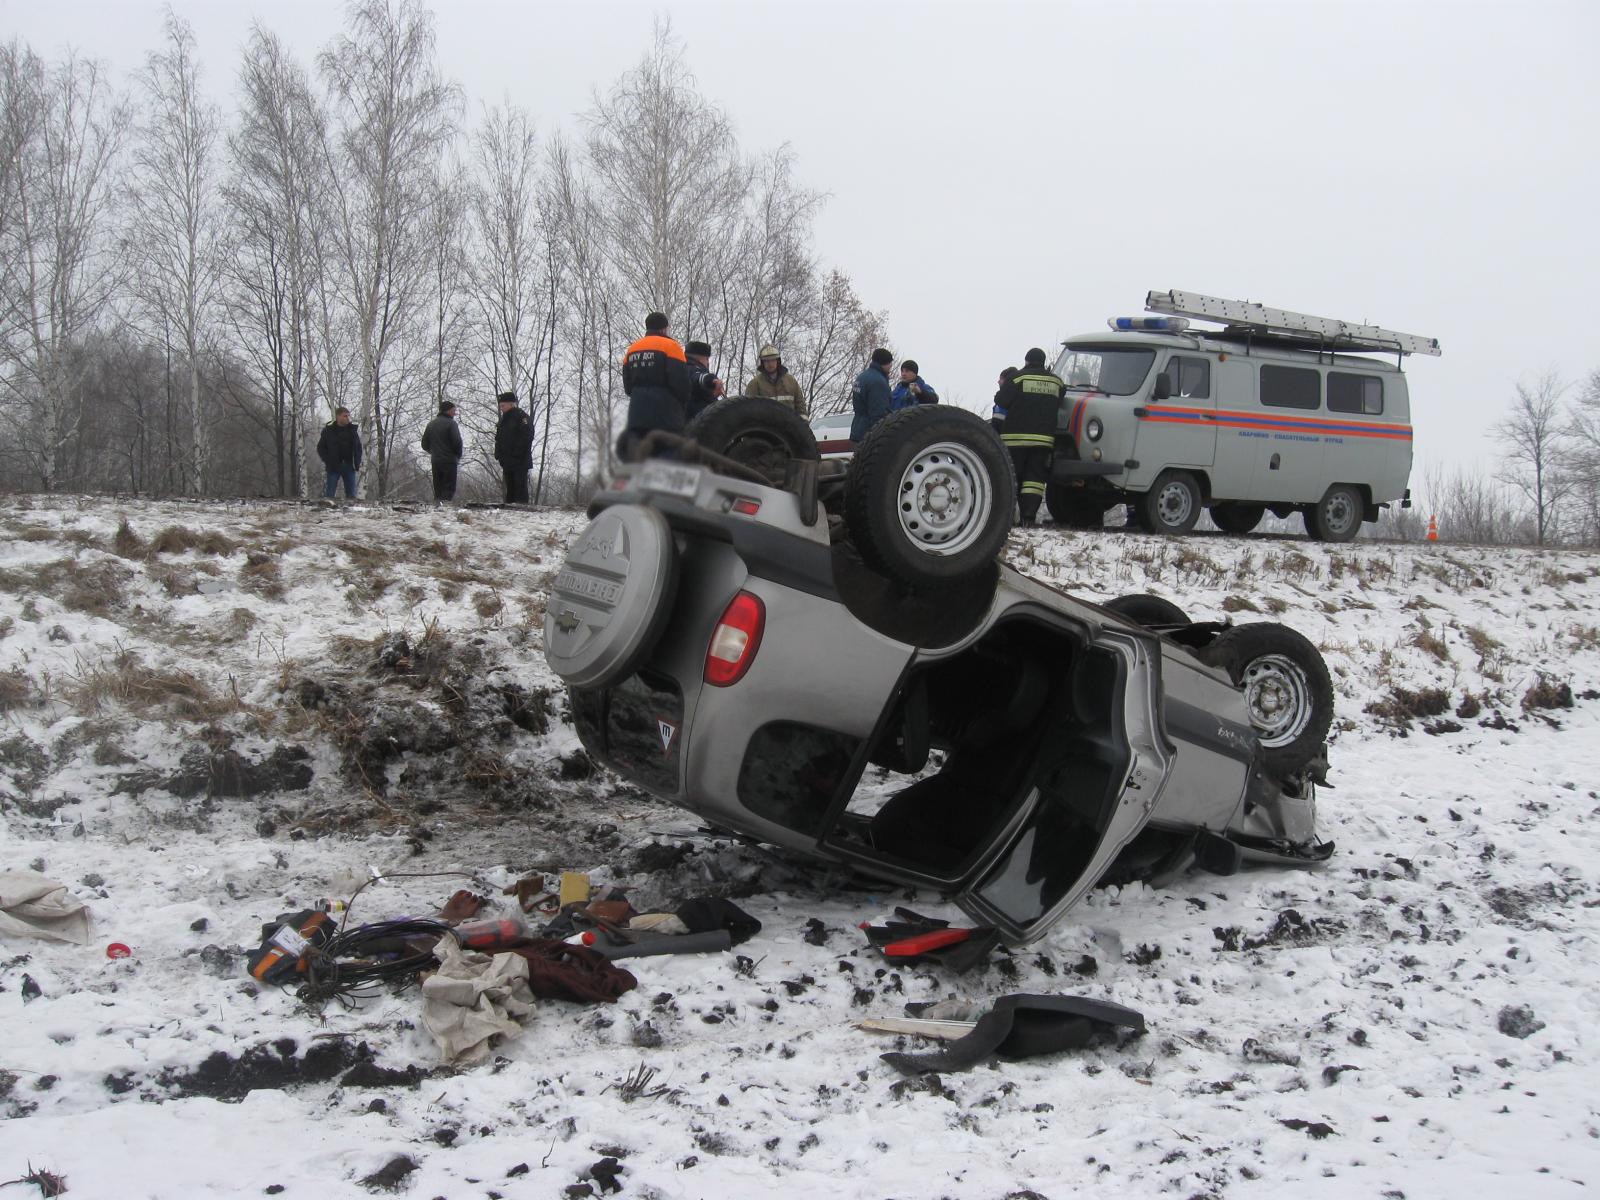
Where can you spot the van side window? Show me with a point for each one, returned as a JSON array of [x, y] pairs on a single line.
[[1191, 377], [1354, 393], [1291, 387]]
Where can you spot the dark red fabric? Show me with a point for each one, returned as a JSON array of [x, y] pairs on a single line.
[[558, 971]]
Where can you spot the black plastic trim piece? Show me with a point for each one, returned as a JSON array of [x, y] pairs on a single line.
[[1192, 724], [1074, 468]]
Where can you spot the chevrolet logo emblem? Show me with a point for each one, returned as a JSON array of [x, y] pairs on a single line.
[[567, 621]]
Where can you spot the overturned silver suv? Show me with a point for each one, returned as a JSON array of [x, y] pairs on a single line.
[[830, 658]]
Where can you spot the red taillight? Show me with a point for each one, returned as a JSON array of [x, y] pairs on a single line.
[[735, 640]]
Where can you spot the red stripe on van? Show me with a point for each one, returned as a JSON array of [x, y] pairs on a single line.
[[1238, 419]]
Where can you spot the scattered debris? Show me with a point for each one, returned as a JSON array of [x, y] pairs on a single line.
[[390, 1176], [1021, 1026]]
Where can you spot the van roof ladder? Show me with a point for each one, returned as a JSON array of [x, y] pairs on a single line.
[[1245, 318]]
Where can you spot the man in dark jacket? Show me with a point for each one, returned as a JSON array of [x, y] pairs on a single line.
[[1032, 401], [513, 447], [869, 398], [655, 376], [912, 388], [339, 448], [998, 417], [704, 387], [441, 441]]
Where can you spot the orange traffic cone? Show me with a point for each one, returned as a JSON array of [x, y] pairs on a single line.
[[1433, 529]]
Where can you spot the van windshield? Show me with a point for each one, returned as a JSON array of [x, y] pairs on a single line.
[[1115, 370]]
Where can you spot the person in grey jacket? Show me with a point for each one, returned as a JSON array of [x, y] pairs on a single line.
[[870, 395], [441, 441]]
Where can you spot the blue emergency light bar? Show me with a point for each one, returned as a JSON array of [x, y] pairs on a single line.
[[1148, 324]]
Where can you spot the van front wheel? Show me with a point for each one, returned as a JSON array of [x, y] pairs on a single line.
[[1172, 505], [1337, 516]]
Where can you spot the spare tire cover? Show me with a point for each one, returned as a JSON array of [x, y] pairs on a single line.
[[611, 597]]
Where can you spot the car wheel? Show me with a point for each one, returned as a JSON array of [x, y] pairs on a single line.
[[1287, 690], [930, 495], [611, 598], [1338, 515], [1147, 610], [1172, 505], [1236, 518], [1073, 507], [755, 432]]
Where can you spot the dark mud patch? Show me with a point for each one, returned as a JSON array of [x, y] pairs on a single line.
[[274, 1066], [1289, 928]]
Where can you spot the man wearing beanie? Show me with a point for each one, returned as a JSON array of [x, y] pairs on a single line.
[[655, 376], [869, 398], [704, 386], [1032, 401], [513, 447], [441, 442]]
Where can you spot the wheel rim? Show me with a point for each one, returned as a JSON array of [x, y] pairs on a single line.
[[1338, 510], [1174, 504], [1278, 696], [945, 499]]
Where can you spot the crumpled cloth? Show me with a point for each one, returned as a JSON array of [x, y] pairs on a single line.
[[471, 998], [32, 905], [559, 971]]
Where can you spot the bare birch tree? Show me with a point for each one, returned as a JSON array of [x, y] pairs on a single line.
[[395, 118], [63, 270], [276, 194], [1534, 440], [174, 232]]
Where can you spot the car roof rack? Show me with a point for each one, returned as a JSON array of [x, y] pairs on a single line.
[[1247, 319]]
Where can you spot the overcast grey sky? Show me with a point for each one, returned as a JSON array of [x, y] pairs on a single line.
[[1004, 175]]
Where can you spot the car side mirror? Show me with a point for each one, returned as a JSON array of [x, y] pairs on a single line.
[[1163, 388]]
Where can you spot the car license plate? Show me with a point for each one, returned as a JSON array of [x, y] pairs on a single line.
[[668, 478]]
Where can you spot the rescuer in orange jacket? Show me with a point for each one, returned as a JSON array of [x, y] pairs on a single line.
[[655, 375]]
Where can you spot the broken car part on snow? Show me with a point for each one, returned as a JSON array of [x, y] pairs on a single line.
[[747, 638]]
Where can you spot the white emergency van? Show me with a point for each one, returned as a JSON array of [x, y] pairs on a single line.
[[1275, 411]]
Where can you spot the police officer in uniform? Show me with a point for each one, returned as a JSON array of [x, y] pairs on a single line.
[[1032, 402], [655, 376]]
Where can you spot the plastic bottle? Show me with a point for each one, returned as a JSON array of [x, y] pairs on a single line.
[[488, 934]]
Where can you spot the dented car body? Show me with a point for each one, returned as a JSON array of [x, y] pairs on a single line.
[[994, 739]]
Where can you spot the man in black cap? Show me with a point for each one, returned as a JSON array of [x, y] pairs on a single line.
[[704, 387], [513, 447], [655, 376], [870, 396], [1032, 401], [441, 442]]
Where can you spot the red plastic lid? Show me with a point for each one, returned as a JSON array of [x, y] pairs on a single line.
[[118, 950]]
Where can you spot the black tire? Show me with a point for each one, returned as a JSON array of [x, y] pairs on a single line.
[[1172, 505], [1287, 690], [1338, 515], [755, 432], [930, 495], [1235, 517], [1144, 609], [1074, 508]]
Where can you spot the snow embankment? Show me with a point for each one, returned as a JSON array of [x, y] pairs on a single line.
[[210, 714]]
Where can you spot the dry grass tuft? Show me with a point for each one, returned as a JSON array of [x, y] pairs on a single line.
[[1547, 692], [126, 680], [487, 603], [1239, 604], [16, 690], [1402, 705], [125, 543], [260, 575], [178, 539], [1430, 644]]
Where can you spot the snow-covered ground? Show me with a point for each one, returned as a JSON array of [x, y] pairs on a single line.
[[1371, 991]]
